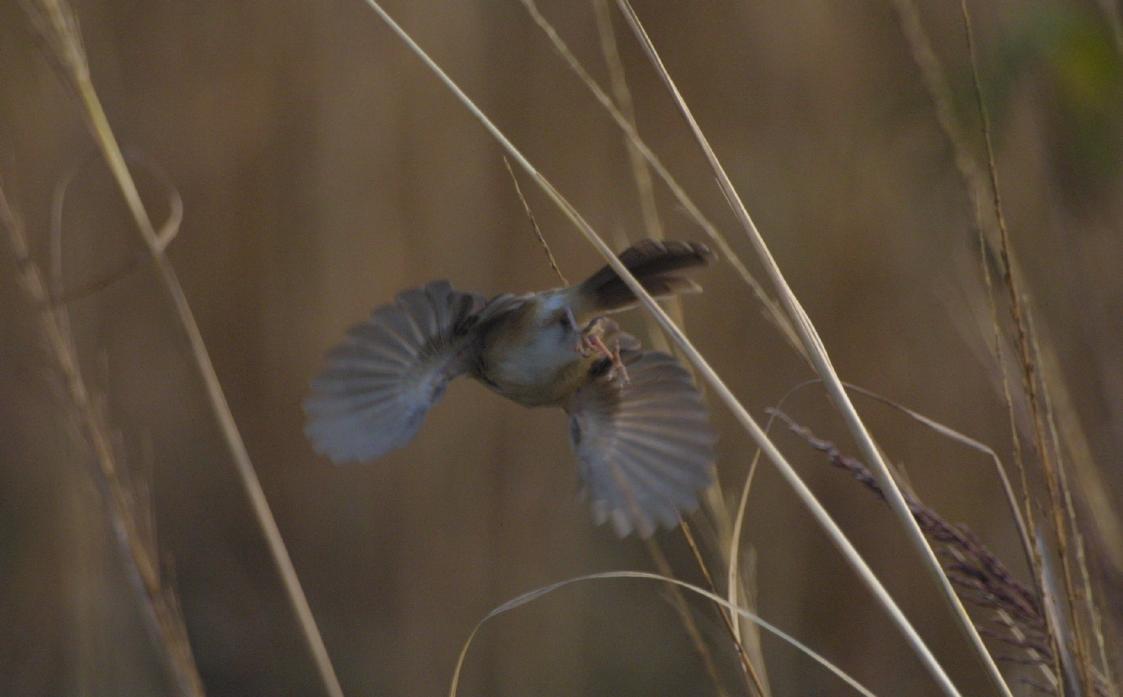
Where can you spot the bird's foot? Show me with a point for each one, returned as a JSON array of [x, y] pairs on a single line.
[[585, 344], [591, 342]]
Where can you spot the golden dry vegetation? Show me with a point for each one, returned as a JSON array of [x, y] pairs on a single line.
[[321, 168]]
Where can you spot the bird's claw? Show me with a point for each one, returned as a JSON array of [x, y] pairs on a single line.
[[591, 342]]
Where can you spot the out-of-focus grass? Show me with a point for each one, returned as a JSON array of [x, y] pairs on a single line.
[[308, 154]]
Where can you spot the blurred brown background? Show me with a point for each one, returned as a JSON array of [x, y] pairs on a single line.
[[323, 169]]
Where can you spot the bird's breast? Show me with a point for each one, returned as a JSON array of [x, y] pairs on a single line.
[[541, 370]]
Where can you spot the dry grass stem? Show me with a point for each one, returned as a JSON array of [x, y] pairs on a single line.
[[969, 442], [979, 575], [772, 312], [975, 186], [641, 172], [654, 550], [534, 225], [823, 366], [56, 22], [711, 377], [165, 234], [537, 593], [1030, 377], [682, 609], [734, 544], [130, 520], [1095, 491], [752, 676], [1089, 606]]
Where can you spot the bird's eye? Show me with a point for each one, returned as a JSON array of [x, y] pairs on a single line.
[[564, 318]]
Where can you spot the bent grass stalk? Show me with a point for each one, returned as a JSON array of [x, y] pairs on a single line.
[[732, 588], [161, 611], [822, 517], [537, 593], [968, 442]]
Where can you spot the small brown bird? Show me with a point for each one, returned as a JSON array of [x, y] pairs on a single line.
[[638, 425]]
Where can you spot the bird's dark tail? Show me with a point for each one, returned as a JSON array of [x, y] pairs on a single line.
[[660, 266]]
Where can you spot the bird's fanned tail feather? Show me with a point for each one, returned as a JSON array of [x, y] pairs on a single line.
[[659, 266]]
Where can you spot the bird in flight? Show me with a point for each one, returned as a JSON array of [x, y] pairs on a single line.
[[637, 423]]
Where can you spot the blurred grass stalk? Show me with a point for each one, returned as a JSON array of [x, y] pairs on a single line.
[[642, 159], [745, 640], [57, 25], [771, 310], [822, 364], [653, 547], [1039, 379], [726, 395], [160, 606], [1060, 500]]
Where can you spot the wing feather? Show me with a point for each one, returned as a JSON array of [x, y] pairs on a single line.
[[646, 447], [381, 380]]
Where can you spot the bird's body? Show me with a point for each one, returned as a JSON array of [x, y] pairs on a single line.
[[645, 445], [529, 354]]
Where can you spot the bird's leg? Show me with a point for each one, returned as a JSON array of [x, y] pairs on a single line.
[[587, 339], [613, 354], [592, 341]]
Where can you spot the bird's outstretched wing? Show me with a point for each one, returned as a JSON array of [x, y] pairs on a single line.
[[645, 447], [381, 380]]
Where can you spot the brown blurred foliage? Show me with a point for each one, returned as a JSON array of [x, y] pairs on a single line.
[[323, 169]]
